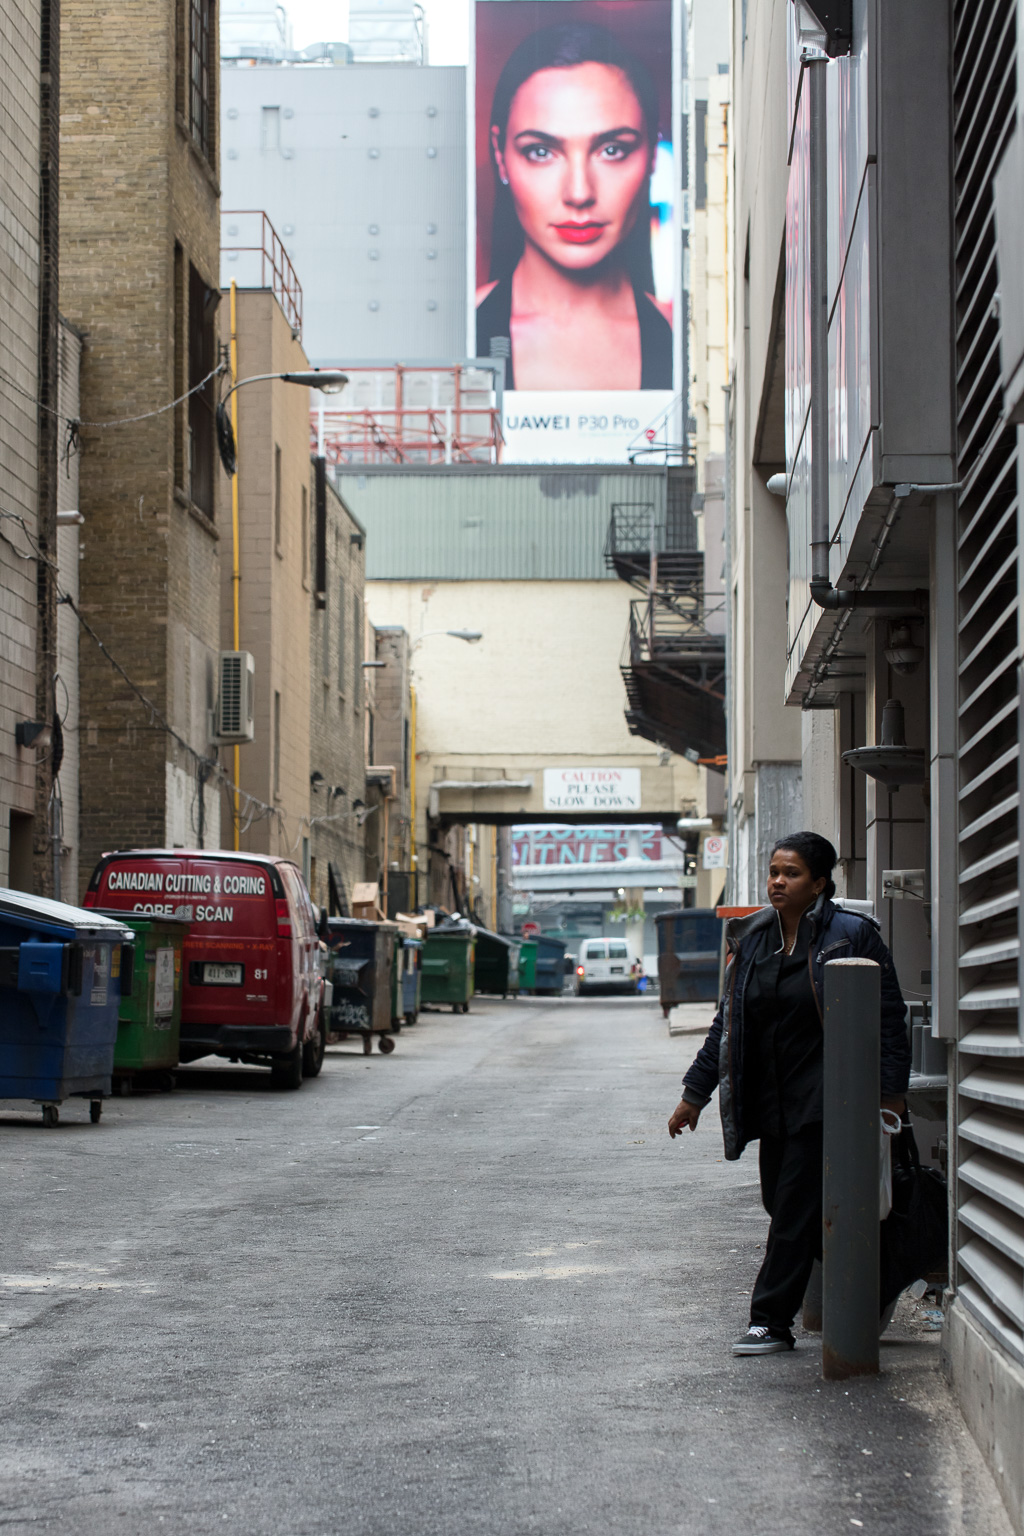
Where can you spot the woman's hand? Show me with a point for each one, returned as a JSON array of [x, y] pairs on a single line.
[[684, 1114]]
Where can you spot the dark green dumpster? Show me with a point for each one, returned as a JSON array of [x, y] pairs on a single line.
[[448, 965], [360, 973], [527, 965], [550, 974], [689, 944], [149, 1020], [497, 963]]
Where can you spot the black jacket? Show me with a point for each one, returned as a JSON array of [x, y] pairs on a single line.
[[835, 935]]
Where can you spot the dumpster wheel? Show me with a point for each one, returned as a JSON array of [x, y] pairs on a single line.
[[51, 1114], [95, 1110], [367, 1045], [386, 1044]]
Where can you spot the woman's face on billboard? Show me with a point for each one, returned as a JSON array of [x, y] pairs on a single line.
[[576, 158]]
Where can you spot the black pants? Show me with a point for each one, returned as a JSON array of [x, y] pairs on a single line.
[[790, 1169]]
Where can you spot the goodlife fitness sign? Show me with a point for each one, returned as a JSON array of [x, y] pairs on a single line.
[[591, 789]]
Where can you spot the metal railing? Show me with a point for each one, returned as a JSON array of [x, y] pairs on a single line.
[[275, 268], [459, 424]]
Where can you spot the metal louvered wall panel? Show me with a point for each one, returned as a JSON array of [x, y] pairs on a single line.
[[990, 1065]]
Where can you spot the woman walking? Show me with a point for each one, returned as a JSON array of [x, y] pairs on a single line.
[[764, 1053]]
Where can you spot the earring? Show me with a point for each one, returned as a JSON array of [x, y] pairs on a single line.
[[504, 181]]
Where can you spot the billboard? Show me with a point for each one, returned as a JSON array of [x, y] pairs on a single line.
[[576, 238]]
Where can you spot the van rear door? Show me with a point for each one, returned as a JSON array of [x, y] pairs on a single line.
[[233, 969]]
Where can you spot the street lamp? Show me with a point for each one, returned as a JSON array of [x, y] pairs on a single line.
[[471, 636], [330, 381]]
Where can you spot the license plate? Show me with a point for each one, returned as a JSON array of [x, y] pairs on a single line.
[[616, 970], [222, 975]]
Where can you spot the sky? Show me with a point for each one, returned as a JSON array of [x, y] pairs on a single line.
[[317, 21]]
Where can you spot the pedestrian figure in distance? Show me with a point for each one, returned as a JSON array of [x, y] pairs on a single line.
[[765, 1054]]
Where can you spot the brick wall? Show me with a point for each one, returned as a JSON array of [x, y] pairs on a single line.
[[336, 724], [134, 190], [19, 333]]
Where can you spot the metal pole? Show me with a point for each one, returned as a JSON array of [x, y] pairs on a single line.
[[852, 1097]]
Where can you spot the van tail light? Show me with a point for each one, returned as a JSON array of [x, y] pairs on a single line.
[[580, 971], [284, 919], [89, 899]]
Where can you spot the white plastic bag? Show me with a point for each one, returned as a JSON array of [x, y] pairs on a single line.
[[890, 1125]]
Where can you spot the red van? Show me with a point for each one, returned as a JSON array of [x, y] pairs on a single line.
[[252, 988]]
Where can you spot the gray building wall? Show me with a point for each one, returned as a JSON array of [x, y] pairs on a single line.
[[514, 523], [19, 348], [361, 169]]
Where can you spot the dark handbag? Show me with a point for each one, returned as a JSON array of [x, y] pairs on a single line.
[[914, 1237]]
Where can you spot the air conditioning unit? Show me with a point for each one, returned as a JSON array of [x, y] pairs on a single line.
[[233, 715]]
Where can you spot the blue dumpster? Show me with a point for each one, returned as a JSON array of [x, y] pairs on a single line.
[[689, 944], [62, 971]]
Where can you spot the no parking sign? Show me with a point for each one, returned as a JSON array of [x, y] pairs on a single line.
[[714, 853]]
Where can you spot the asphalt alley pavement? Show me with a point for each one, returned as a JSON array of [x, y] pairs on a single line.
[[468, 1289]]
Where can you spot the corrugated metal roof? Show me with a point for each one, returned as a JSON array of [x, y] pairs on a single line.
[[514, 523]]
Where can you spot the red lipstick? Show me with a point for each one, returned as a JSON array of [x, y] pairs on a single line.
[[580, 234]]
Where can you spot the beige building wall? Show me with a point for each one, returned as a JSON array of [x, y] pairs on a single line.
[[541, 689], [765, 736], [276, 591], [337, 751], [709, 294], [19, 349]]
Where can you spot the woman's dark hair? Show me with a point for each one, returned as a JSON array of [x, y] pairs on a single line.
[[560, 47], [817, 853]]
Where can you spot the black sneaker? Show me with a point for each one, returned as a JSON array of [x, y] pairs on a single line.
[[759, 1340]]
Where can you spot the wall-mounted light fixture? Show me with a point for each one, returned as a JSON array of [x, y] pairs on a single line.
[[33, 733]]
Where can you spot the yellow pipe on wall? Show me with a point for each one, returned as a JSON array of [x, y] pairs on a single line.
[[236, 568]]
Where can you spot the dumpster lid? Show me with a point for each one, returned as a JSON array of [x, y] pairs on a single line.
[[126, 918], [43, 909]]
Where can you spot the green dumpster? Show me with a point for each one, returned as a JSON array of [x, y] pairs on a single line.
[[497, 963], [448, 966], [149, 1019], [528, 965]]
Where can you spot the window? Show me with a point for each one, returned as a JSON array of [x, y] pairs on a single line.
[[357, 651], [305, 537], [341, 637], [277, 500], [201, 76], [277, 743], [369, 736], [202, 359], [596, 950], [617, 950], [180, 355], [270, 128], [700, 167], [325, 642]]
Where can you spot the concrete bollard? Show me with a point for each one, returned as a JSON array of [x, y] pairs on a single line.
[[852, 1091]]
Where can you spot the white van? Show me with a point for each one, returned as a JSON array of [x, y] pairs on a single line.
[[606, 965]]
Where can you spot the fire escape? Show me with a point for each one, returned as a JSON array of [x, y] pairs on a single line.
[[673, 666]]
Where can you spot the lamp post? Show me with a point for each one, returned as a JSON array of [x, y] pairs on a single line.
[[470, 636], [331, 381]]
